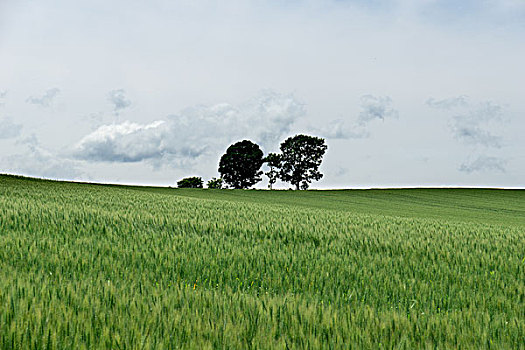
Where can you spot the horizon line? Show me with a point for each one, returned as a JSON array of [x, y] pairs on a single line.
[[275, 189]]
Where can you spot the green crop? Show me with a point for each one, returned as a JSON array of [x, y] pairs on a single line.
[[89, 266]]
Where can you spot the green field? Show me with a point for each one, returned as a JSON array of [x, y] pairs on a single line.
[[91, 266]]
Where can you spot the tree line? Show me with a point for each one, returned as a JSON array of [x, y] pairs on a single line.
[[240, 167]]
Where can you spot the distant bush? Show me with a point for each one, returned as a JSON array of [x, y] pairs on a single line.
[[190, 182], [215, 183]]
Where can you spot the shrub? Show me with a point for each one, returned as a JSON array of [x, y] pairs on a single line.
[[215, 183], [190, 182]]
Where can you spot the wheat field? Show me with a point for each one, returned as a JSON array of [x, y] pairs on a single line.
[[113, 267]]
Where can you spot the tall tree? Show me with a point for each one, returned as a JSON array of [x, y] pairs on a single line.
[[239, 166], [273, 160], [301, 157]]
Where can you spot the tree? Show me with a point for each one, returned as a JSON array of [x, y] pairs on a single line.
[[239, 166], [301, 157], [273, 160], [190, 182], [215, 183]]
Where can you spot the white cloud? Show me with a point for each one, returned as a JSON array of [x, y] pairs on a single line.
[[193, 132], [126, 142], [45, 100]]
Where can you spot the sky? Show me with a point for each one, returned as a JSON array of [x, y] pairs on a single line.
[[406, 93]]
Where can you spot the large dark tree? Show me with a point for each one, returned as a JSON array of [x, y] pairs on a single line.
[[239, 166], [301, 157]]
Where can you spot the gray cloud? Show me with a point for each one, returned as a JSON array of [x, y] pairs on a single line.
[[193, 132], [119, 100], [372, 108], [39, 162], [376, 107], [486, 111], [471, 133], [341, 172], [3, 94], [340, 129], [94, 119], [476, 124], [266, 117], [44, 100], [448, 103], [475, 127], [483, 163], [8, 129]]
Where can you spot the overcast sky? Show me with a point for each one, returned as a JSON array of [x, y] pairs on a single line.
[[406, 93]]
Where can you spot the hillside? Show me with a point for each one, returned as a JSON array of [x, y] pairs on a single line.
[[100, 266], [458, 204]]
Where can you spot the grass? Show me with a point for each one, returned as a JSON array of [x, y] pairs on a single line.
[[90, 266]]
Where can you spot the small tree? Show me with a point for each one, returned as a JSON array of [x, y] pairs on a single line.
[[215, 183], [190, 182], [301, 157], [273, 160], [239, 166]]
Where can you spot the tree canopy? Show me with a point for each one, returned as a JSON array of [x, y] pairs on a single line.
[[240, 165], [301, 156]]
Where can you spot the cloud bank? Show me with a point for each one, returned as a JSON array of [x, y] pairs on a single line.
[[194, 132]]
